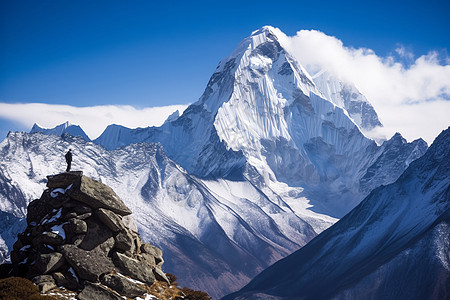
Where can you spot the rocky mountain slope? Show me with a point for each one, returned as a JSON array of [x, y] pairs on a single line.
[[251, 172], [206, 228], [394, 245]]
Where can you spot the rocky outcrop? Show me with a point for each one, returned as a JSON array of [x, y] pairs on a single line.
[[81, 236]]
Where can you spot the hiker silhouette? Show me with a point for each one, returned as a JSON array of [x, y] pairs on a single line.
[[69, 159]]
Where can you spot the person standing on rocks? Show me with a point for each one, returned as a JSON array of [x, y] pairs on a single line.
[[69, 159]]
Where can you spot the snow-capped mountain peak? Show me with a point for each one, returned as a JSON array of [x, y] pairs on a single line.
[[59, 130]]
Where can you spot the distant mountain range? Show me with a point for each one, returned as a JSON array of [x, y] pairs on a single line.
[[263, 162]]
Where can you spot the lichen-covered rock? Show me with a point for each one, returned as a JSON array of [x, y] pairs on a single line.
[[123, 285], [97, 236], [160, 275], [97, 195], [134, 268], [66, 279], [110, 219], [80, 236], [94, 291], [63, 180], [88, 265], [124, 241], [47, 263], [75, 226], [153, 251]]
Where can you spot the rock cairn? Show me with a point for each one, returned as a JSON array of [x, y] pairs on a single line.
[[82, 237]]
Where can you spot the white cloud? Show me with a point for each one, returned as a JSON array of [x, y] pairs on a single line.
[[413, 100], [93, 119]]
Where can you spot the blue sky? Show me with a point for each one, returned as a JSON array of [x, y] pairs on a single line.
[[149, 53]]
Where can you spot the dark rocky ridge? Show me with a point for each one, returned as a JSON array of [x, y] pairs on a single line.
[[81, 236]]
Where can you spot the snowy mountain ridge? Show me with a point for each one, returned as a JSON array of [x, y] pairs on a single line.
[[207, 227], [66, 127], [249, 173], [380, 248]]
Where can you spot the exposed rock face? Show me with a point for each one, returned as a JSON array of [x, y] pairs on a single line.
[[80, 237]]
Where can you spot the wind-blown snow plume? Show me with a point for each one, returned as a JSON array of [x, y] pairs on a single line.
[[413, 99]]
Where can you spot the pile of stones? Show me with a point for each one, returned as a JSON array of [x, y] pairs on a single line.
[[81, 236]]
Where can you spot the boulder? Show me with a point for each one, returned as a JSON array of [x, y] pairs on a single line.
[[48, 238], [94, 291], [110, 219], [160, 275], [154, 251], [66, 280], [45, 287], [123, 285], [130, 223], [134, 268], [63, 180], [84, 216], [97, 235], [38, 209], [124, 241], [97, 195], [50, 262], [75, 226], [80, 235], [42, 278], [88, 265]]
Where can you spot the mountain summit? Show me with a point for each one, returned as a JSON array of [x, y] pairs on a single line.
[[66, 127], [251, 172], [262, 118]]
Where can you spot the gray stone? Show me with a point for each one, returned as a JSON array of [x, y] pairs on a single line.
[[84, 216], [74, 227], [110, 219], [123, 285], [48, 238], [97, 236], [38, 209], [124, 241], [82, 209], [154, 251], [65, 279], [160, 275], [63, 180], [88, 265], [97, 195], [47, 263], [58, 201], [147, 259], [130, 223], [134, 268], [96, 292], [70, 215], [44, 287], [42, 278]]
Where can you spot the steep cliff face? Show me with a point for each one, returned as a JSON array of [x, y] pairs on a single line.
[[80, 236], [264, 119], [394, 245]]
